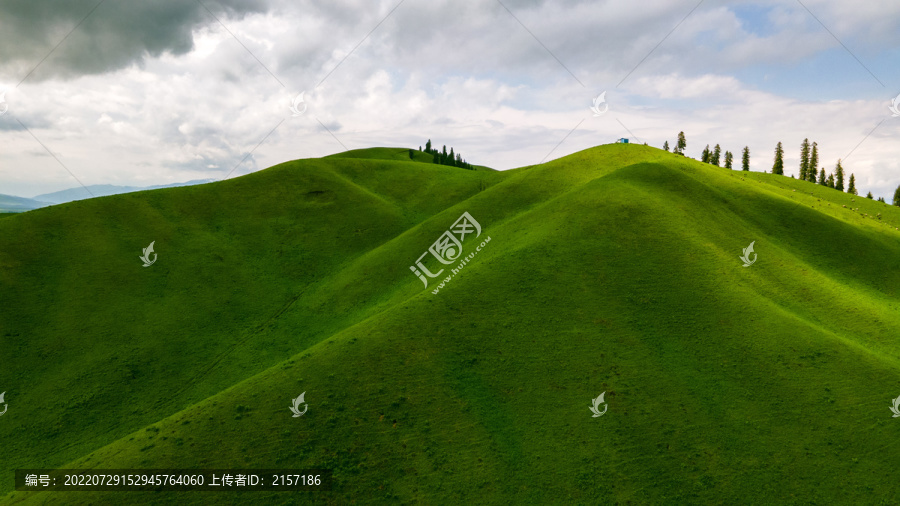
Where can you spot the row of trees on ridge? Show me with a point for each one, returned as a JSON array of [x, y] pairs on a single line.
[[809, 161], [713, 156]]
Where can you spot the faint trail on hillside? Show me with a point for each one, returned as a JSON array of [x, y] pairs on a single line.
[[224, 354]]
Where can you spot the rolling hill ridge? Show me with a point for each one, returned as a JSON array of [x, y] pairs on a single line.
[[614, 269]]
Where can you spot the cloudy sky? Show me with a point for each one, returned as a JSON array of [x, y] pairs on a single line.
[[143, 93]]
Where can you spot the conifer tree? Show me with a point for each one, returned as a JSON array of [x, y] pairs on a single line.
[[704, 157], [778, 166], [716, 155], [830, 181], [869, 195], [666, 145], [851, 185], [745, 159], [896, 196], [813, 163], [428, 146], [881, 199], [729, 158], [682, 143], [804, 159], [822, 180], [839, 177]]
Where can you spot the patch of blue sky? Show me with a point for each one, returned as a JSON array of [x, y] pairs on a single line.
[[832, 74], [756, 19]]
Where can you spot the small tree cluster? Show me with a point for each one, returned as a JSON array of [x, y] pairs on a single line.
[[809, 171], [444, 158], [714, 156], [836, 179], [680, 145]]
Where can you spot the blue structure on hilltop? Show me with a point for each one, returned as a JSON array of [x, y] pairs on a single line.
[[622, 141]]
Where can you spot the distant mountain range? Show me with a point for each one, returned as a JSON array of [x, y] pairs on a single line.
[[13, 204]]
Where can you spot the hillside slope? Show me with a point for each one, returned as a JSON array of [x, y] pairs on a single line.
[[613, 270]]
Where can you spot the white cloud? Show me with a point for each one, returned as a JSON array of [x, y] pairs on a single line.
[[465, 74]]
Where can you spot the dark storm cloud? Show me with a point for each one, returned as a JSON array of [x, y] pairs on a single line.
[[115, 35]]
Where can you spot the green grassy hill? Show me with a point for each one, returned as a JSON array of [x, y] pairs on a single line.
[[613, 270]]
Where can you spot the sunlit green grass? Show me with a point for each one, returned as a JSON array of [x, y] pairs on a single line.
[[614, 269]]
